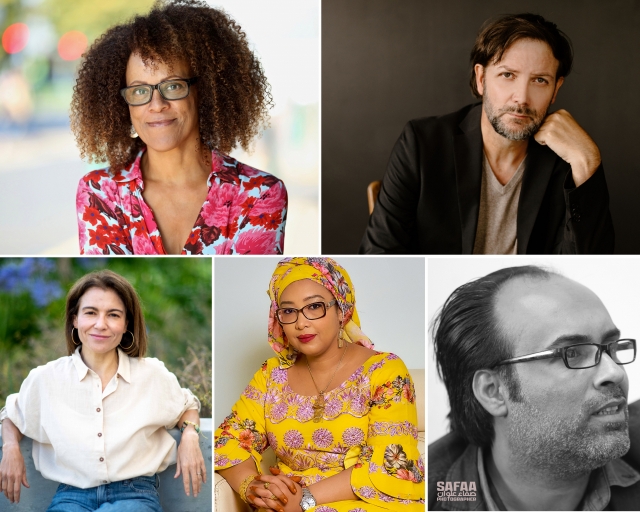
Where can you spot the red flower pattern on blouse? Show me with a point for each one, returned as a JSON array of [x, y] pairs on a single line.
[[245, 212]]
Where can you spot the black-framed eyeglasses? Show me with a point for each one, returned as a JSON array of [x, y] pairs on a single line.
[[174, 89], [311, 311], [583, 355]]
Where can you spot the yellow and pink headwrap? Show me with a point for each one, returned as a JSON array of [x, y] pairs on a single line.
[[334, 278]]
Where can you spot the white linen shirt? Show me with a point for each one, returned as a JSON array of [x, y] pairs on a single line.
[[85, 437]]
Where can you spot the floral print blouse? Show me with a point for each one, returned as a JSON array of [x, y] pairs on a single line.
[[369, 422], [244, 213]]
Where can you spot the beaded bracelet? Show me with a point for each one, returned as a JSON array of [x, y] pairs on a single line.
[[244, 486], [185, 424]]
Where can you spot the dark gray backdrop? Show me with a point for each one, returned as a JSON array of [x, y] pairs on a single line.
[[385, 62]]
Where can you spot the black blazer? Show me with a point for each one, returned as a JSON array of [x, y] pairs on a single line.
[[430, 196]]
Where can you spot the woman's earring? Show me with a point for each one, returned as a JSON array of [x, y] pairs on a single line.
[[73, 338], [133, 340], [340, 341], [133, 133]]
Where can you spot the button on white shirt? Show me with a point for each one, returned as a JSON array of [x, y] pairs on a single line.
[[84, 436]]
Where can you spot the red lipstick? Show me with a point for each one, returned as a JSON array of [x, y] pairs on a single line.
[[306, 338]]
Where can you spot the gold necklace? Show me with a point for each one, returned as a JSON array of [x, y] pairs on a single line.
[[320, 403]]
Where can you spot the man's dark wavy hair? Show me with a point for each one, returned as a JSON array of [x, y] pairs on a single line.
[[498, 34], [467, 337]]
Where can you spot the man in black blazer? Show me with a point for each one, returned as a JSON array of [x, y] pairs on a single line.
[[534, 368], [501, 176]]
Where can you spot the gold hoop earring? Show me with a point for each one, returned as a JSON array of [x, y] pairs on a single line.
[[340, 340], [133, 340], [73, 339]]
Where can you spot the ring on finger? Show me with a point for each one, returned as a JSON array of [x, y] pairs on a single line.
[[266, 485]]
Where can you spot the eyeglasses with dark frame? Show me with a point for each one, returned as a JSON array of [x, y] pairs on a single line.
[[584, 355], [312, 311], [171, 90]]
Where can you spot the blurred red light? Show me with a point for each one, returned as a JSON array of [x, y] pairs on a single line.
[[15, 38], [72, 45]]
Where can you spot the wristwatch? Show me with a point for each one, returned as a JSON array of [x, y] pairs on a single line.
[[308, 500]]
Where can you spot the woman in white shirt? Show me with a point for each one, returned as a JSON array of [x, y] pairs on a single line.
[[99, 417]]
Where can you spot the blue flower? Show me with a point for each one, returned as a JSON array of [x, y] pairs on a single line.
[[32, 276]]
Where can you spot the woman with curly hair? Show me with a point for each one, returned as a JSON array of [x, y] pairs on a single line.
[[162, 98], [340, 416], [98, 417]]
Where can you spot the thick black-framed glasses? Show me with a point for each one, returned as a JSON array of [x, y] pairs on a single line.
[[311, 311], [584, 355], [174, 89]]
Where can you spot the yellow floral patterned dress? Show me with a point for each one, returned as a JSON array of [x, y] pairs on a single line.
[[369, 423]]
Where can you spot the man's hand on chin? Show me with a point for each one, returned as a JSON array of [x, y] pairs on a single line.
[[569, 141]]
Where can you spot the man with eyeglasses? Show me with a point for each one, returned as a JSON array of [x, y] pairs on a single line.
[[534, 369]]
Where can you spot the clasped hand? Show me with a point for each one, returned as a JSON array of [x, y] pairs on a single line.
[[566, 138], [282, 494]]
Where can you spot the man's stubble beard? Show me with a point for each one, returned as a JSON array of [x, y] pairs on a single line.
[[494, 115], [563, 448]]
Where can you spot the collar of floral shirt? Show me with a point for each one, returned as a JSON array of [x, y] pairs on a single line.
[[222, 167]]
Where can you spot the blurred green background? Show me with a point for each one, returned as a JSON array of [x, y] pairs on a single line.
[[49, 76], [176, 301]]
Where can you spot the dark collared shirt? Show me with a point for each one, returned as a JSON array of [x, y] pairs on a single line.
[[469, 467], [597, 495]]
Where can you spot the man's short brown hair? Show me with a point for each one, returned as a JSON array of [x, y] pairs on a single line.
[[498, 34]]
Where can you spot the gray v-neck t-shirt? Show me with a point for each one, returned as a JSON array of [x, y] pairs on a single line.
[[496, 232]]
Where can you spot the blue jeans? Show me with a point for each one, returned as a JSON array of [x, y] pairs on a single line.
[[135, 495]]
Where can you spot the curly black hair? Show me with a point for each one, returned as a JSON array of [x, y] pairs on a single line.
[[233, 93]]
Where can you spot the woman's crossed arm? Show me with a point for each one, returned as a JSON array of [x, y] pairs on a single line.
[[287, 490]]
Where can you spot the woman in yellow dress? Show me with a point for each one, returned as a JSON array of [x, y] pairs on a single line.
[[340, 416]]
